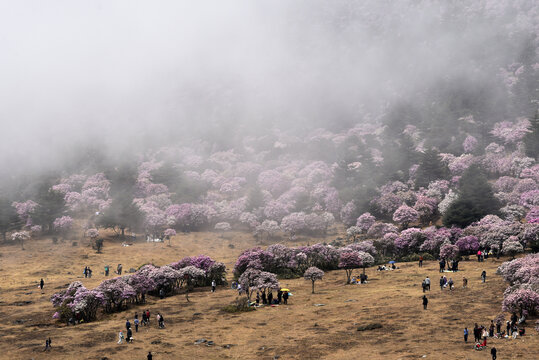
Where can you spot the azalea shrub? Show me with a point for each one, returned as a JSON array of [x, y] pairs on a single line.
[[115, 294]]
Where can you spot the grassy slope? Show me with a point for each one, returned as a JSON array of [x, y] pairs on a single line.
[[297, 331]]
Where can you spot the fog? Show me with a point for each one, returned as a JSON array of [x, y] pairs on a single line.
[[127, 75]]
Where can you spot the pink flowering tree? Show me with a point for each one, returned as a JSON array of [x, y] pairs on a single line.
[[469, 144], [365, 221], [522, 300], [405, 215], [169, 234], [313, 274], [20, 236], [468, 245], [63, 224], [449, 251], [350, 260], [512, 246]]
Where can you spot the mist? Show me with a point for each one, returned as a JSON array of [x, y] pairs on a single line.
[[125, 76]]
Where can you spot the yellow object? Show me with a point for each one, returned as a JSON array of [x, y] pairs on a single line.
[[287, 290]]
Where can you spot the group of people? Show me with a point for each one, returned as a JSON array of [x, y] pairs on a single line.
[[452, 265], [137, 323], [87, 272], [445, 283], [482, 255], [383, 267], [362, 279], [282, 297]]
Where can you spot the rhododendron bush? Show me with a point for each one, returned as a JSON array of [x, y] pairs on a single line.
[[117, 293]]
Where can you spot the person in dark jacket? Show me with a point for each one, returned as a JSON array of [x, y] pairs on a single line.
[[425, 302], [285, 297], [465, 335], [150, 356], [41, 284], [493, 352], [270, 298], [127, 324], [442, 282], [129, 335], [279, 296]]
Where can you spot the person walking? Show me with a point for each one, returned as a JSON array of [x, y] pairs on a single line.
[[150, 356], [285, 297], [89, 272], [144, 318], [148, 317], [478, 255], [106, 270], [46, 344], [279, 296], [41, 284], [270, 298], [120, 337], [427, 283], [424, 286], [129, 335], [425, 302], [213, 286], [85, 272], [420, 261], [484, 276], [466, 335], [441, 283], [450, 283], [491, 329], [464, 283], [127, 325], [119, 269], [136, 322], [493, 353]]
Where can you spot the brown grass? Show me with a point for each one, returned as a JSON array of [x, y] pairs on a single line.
[[297, 331]]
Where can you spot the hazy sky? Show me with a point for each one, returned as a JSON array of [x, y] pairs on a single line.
[[143, 72]]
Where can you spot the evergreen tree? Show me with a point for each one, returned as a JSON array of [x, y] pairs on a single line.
[[430, 168], [532, 139], [9, 220], [476, 199], [51, 206]]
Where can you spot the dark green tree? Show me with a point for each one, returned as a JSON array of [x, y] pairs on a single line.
[[51, 206], [9, 220], [476, 199], [532, 139], [430, 168]]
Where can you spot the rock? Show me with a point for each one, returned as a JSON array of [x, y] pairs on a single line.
[[155, 342], [316, 324], [227, 346], [350, 300], [371, 326], [132, 270], [210, 343], [276, 357], [200, 341], [197, 314], [319, 304]]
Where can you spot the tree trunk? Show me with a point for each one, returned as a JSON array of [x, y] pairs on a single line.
[[363, 270], [123, 233], [313, 287]]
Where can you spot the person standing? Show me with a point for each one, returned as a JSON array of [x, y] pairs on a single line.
[[450, 282], [427, 283], [478, 255], [285, 297], [41, 284], [420, 261], [148, 316], [129, 335], [464, 283], [493, 352], [150, 356], [144, 318], [119, 269], [89, 272], [120, 337], [425, 302], [213, 286], [424, 286], [484, 276], [127, 325], [476, 333], [46, 344], [85, 272], [264, 298], [466, 335], [279, 296], [107, 270], [441, 283], [270, 298], [136, 322]]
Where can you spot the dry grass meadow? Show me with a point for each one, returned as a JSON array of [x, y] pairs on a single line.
[[299, 330]]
